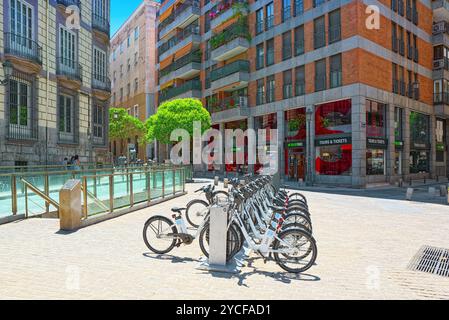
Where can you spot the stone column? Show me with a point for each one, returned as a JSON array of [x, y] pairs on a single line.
[[280, 118], [390, 152], [250, 126], [433, 147], [223, 165], [358, 141], [310, 145]]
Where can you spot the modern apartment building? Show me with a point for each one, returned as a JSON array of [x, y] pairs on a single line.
[[133, 69], [54, 104], [353, 102]]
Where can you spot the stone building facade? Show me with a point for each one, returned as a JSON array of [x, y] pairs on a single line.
[[55, 104]]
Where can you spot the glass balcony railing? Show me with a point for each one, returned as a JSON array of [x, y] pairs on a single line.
[[181, 62], [236, 66], [23, 47], [176, 91], [234, 31]]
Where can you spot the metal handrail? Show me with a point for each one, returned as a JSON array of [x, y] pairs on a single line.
[[40, 193]]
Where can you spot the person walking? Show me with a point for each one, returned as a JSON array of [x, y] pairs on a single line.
[[76, 163]]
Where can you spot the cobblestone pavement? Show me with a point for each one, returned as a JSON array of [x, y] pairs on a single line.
[[365, 245]]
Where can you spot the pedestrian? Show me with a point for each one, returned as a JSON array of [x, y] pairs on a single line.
[[76, 163]]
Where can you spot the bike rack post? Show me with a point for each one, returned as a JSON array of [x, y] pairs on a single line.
[[218, 231]]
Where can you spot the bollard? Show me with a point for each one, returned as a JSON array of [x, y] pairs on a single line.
[[216, 180], [409, 194], [218, 238], [443, 191], [70, 206], [226, 183], [432, 191]]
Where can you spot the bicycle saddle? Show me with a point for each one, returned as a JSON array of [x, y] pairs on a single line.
[[178, 210]]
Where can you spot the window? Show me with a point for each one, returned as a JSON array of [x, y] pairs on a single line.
[[114, 76], [288, 84], [440, 132], [65, 116], [20, 102], [260, 56], [333, 118], [270, 16], [101, 8], [129, 64], [270, 52], [299, 40], [375, 162], [320, 75], [335, 71], [334, 26], [128, 41], [136, 111], [121, 70], [121, 94], [395, 78], [67, 50], [21, 23], [394, 37], [270, 89], [100, 66], [121, 47], [114, 99], [300, 81], [286, 45], [334, 160], [128, 90], [401, 40], [375, 119], [259, 21], [98, 123], [136, 33], [319, 38], [299, 7], [136, 85], [260, 97], [207, 20], [136, 58], [415, 48], [286, 10], [317, 3]]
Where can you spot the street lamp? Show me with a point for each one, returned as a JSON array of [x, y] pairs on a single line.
[[8, 69], [115, 115]]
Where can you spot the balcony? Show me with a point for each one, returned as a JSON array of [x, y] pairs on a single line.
[[440, 10], [69, 73], [231, 76], [230, 42], [24, 53], [180, 17], [226, 9], [101, 86], [188, 35], [229, 109], [184, 68], [68, 3], [101, 26], [441, 64], [441, 98], [189, 89]]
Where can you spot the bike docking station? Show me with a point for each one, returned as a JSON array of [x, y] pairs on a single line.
[[219, 250]]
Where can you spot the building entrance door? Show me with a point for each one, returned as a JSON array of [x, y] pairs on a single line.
[[297, 164]]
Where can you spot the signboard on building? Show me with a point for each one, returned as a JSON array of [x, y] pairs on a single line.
[[333, 141], [379, 143]]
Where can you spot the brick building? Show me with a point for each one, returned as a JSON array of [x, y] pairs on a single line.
[[55, 103], [353, 105], [133, 68]]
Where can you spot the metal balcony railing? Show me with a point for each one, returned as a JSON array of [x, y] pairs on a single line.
[[178, 37], [69, 68], [233, 67], [269, 22], [441, 98], [299, 7], [223, 6], [228, 103], [286, 13], [441, 64], [176, 91], [319, 38], [260, 26], [23, 47], [181, 62], [232, 32], [178, 11], [101, 82], [68, 3], [101, 23]]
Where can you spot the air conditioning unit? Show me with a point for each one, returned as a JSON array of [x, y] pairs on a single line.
[[438, 27]]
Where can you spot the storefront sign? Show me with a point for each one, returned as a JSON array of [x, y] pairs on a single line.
[[379, 143], [295, 144], [421, 146], [333, 141], [399, 145]]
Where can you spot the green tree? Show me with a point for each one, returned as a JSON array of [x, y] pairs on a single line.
[[123, 126], [176, 114]]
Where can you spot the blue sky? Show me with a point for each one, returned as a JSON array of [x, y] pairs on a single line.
[[120, 11]]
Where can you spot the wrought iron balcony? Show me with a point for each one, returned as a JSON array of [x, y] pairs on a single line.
[[101, 24], [227, 103], [68, 3], [23, 47], [100, 82], [70, 69], [172, 92], [178, 12], [234, 67], [178, 38]]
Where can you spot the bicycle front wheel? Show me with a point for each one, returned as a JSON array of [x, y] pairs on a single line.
[[160, 234], [196, 212], [296, 251]]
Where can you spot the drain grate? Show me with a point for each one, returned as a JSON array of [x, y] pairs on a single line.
[[431, 260]]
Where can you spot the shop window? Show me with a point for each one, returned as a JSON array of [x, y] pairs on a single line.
[[333, 118], [375, 162], [375, 119], [419, 162], [296, 124], [334, 160]]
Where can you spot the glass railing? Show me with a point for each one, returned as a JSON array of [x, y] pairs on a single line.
[[234, 31], [233, 67], [176, 91], [23, 47], [181, 62], [103, 190]]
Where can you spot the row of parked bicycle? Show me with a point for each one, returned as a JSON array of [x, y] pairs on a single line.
[[271, 222]]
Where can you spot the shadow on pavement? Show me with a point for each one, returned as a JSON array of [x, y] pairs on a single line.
[[173, 259]]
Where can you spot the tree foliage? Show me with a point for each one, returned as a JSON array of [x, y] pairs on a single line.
[[123, 126], [176, 114]]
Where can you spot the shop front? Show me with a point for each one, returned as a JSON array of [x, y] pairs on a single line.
[[295, 145], [234, 167], [398, 141], [419, 143], [440, 148], [265, 123], [333, 141], [376, 142]]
